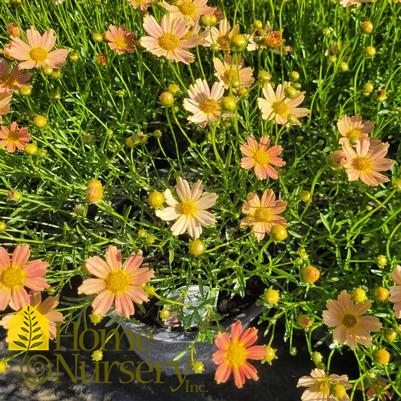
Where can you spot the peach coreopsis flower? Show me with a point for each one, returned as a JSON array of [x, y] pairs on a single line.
[[321, 386], [233, 352], [45, 308], [17, 273], [204, 102], [169, 39], [366, 160], [277, 107], [116, 283], [263, 213], [11, 81], [5, 100], [265, 38], [377, 389], [37, 53], [13, 138], [350, 324], [191, 10], [353, 128], [233, 75], [120, 40], [261, 157], [395, 291], [143, 5], [220, 37], [191, 209]]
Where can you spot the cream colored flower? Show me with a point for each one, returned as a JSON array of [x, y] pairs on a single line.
[[190, 212]]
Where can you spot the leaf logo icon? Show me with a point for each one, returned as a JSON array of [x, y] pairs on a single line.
[[28, 331]]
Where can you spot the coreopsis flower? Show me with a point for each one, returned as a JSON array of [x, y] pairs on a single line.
[[353, 128], [190, 10], [233, 352], [395, 291], [265, 38], [277, 107], [366, 160], [5, 100], [37, 53], [119, 39], [191, 209], [203, 102], [261, 157], [377, 390], [13, 138], [169, 39], [220, 37], [45, 308], [11, 81], [350, 324], [116, 283], [263, 213], [143, 5], [324, 387], [233, 75], [17, 273]]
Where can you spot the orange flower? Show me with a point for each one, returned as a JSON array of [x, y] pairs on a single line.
[[5, 100], [120, 40], [116, 283], [395, 291], [347, 318], [321, 386], [11, 81], [233, 352], [366, 160], [280, 109], [353, 128], [13, 138], [261, 157], [265, 38], [263, 214], [169, 39], [17, 273], [37, 53]]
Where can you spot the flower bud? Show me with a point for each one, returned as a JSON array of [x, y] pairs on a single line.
[[166, 99], [40, 121], [310, 274], [94, 191]]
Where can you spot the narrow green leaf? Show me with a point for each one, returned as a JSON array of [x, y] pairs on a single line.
[[22, 337], [36, 344], [20, 344]]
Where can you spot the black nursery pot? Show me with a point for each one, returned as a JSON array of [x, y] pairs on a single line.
[[160, 345]]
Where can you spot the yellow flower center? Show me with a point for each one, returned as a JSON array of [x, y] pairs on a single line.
[[13, 137], [362, 163], [236, 354], [120, 42], [38, 54], [223, 42], [169, 41], [349, 320], [280, 108], [188, 9], [188, 208], [231, 76], [354, 134], [13, 277], [117, 282], [209, 106], [263, 214], [324, 387], [261, 157]]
